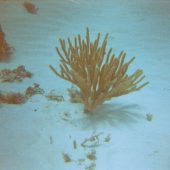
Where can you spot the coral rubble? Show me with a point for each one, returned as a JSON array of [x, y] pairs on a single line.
[[12, 98]]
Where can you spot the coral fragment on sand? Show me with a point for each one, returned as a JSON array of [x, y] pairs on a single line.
[[91, 166], [149, 117], [107, 138], [92, 141], [97, 72], [33, 90], [30, 7], [5, 49], [92, 155], [66, 158], [53, 96], [12, 98], [74, 144], [18, 74], [20, 98]]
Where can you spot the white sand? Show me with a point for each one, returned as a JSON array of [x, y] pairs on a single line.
[[36, 139]]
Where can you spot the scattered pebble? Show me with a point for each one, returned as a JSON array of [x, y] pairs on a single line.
[[30, 7], [107, 138], [149, 117], [74, 144], [92, 156], [66, 158]]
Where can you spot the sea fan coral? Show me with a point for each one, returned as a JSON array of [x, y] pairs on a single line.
[[98, 75]]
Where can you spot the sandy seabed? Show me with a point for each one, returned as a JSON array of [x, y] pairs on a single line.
[[131, 132]]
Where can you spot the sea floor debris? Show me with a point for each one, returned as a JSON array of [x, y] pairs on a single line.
[[15, 75], [5, 49], [12, 98], [20, 98]]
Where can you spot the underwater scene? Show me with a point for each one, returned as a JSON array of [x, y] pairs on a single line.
[[84, 85]]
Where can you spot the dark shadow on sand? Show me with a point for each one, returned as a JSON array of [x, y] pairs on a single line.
[[111, 114]]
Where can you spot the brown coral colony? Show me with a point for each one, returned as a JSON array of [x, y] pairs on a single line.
[[99, 75]]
